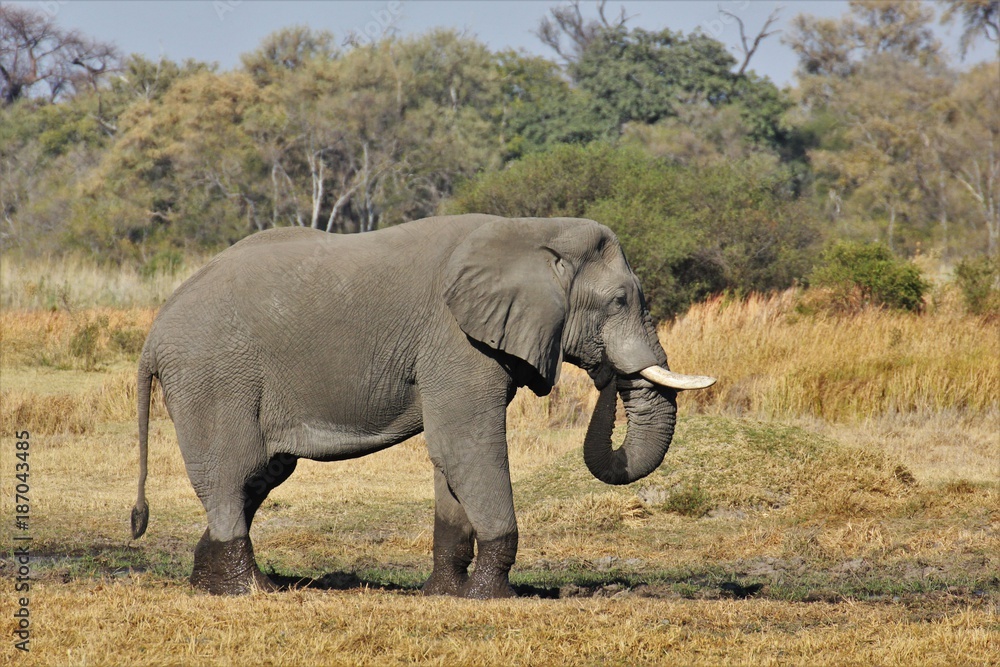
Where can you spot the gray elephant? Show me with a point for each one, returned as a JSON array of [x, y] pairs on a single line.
[[297, 343]]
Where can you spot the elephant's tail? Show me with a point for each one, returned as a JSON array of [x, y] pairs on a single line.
[[140, 513]]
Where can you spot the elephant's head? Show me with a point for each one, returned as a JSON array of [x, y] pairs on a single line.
[[545, 290]]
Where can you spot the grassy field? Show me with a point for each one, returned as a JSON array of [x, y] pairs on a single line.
[[834, 499]]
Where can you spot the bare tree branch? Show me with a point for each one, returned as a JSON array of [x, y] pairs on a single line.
[[568, 21], [748, 49], [34, 50]]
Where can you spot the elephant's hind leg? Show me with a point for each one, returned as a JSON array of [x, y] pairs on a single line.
[[227, 567], [224, 561], [278, 469]]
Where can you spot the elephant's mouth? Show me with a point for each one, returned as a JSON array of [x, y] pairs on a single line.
[[658, 375]]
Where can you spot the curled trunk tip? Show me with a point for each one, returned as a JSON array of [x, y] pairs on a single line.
[[651, 417]]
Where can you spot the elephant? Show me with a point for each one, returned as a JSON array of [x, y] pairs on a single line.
[[297, 343]]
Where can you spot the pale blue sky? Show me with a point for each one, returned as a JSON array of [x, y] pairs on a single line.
[[221, 30]]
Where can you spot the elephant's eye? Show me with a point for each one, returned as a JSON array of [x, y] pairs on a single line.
[[618, 302]]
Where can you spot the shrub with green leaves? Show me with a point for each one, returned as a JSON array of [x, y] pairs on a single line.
[[85, 344], [691, 499], [861, 275], [979, 282], [168, 262]]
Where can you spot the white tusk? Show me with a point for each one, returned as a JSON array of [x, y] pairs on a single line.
[[661, 376]]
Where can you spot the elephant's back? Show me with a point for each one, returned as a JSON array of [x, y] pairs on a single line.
[[277, 235], [267, 274]]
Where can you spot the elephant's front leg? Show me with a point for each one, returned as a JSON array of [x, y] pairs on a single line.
[[454, 541], [484, 495], [466, 437]]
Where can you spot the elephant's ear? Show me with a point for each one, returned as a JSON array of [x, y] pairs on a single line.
[[509, 289]]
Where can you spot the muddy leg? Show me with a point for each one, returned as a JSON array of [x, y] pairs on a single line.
[[453, 542], [227, 567]]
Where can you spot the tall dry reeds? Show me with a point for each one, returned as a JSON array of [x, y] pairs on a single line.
[[774, 362], [72, 282]]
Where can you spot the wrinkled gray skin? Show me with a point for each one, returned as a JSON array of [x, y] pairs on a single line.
[[296, 343]]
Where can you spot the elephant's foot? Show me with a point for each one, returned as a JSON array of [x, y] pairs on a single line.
[[453, 552], [493, 563], [451, 568], [481, 588], [228, 568], [445, 582]]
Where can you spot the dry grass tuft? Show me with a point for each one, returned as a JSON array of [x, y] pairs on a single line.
[[742, 465], [86, 339], [596, 511], [58, 413]]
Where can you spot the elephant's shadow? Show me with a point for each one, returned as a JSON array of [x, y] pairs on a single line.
[[104, 559], [334, 581], [604, 587], [343, 581]]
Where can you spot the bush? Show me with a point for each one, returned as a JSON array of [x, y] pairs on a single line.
[[979, 282], [85, 343], [128, 340], [860, 275]]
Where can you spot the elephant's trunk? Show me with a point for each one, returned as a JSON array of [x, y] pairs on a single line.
[[651, 412]]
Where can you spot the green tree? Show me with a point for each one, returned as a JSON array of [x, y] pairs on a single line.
[[182, 170], [642, 76], [979, 282], [287, 50], [972, 152], [42, 155], [307, 136], [632, 76], [878, 164], [540, 109], [837, 47], [892, 124], [687, 232], [379, 134]]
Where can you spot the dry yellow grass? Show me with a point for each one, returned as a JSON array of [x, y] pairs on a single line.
[[73, 282], [777, 363], [100, 599], [113, 400], [922, 388], [62, 340], [937, 446], [168, 625]]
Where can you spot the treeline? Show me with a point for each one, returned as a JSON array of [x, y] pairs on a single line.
[[714, 178]]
